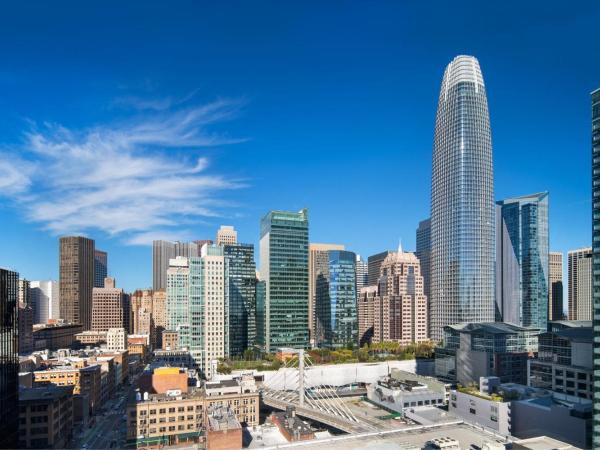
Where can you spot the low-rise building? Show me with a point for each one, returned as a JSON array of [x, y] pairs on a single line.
[[474, 350], [45, 417], [172, 358], [85, 379], [291, 426], [55, 336], [401, 390], [116, 339], [170, 340], [564, 362], [138, 344], [223, 430], [121, 364], [91, 338], [524, 412], [176, 416], [164, 379]]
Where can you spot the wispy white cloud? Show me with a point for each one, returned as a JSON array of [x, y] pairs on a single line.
[[129, 179], [155, 104]]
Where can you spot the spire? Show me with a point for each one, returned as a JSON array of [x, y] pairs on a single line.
[[400, 246]]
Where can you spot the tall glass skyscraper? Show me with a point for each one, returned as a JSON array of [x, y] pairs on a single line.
[[242, 296], [337, 323], [284, 268], [100, 267], [9, 359], [462, 201], [596, 258], [522, 261]]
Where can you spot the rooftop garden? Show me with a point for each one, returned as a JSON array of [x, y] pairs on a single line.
[[253, 359]]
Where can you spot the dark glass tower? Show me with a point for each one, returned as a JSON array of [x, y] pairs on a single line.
[[596, 258], [9, 359], [100, 267], [462, 202], [337, 323], [284, 268], [522, 261], [242, 296]]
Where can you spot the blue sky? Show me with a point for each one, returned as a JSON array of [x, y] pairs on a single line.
[[134, 120]]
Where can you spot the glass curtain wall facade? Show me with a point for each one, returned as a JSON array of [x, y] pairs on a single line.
[[462, 202], [9, 359], [596, 259], [100, 267], [178, 276], [522, 260], [336, 301], [284, 268], [242, 296], [261, 298]]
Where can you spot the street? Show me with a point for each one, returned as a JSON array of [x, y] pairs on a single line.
[[110, 427]]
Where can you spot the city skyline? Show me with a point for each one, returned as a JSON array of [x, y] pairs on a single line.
[[402, 139]]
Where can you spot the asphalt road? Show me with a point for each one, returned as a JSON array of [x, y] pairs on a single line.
[[110, 428]]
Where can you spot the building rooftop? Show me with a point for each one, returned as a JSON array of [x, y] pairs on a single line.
[[578, 334], [490, 327], [222, 419], [221, 384], [572, 323], [39, 394]]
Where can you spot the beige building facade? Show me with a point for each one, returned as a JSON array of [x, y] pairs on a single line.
[[108, 306], [395, 310], [555, 286], [181, 417], [580, 284], [226, 235]]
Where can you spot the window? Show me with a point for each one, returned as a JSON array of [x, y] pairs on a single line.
[[472, 411]]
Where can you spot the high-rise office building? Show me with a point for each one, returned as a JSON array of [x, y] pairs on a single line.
[[208, 328], [522, 260], [362, 273], [318, 265], [24, 291], [108, 306], [76, 263], [241, 276], [9, 359], [178, 278], [25, 319], [197, 306], [580, 284], [374, 263], [284, 268], [261, 319], [100, 267], [44, 300], [462, 202], [395, 309], [142, 318], [335, 303], [423, 252], [159, 315], [163, 252], [555, 290], [596, 258], [226, 234]]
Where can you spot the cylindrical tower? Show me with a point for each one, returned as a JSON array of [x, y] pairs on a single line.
[[462, 202]]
